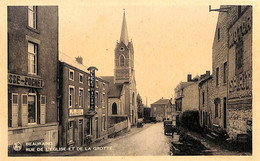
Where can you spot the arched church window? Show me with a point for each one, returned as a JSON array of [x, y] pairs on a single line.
[[114, 109], [122, 60]]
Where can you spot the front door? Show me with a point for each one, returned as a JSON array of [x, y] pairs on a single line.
[[81, 132], [97, 134]]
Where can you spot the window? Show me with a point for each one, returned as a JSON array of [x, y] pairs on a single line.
[[103, 100], [103, 123], [71, 96], [239, 57], [96, 99], [32, 109], [217, 74], [218, 33], [225, 73], [32, 17], [216, 102], [121, 61], [89, 126], [15, 99], [81, 97], [114, 108], [32, 58], [71, 131], [71, 74], [80, 78], [239, 11], [97, 84], [203, 98]]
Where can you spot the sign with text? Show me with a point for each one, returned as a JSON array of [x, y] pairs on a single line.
[[92, 80], [25, 81], [76, 112]]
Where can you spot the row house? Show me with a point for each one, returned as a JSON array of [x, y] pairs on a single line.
[[76, 124], [32, 75], [232, 71], [205, 90]]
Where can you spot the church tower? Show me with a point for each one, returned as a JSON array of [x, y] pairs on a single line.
[[124, 57]]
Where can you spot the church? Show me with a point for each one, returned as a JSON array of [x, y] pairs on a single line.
[[122, 91]]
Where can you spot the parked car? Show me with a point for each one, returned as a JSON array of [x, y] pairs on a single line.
[[139, 123]]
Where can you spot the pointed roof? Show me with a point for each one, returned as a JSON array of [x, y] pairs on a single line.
[[124, 33]]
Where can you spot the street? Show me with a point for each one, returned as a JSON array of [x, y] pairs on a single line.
[[148, 142]]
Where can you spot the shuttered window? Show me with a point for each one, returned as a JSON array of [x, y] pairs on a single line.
[[43, 109], [14, 109], [24, 110]]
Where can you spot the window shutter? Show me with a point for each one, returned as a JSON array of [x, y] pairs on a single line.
[[14, 110], [43, 109], [24, 111]]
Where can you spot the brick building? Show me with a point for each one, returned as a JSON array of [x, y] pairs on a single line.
[[162, 109], [32, 74], [76, 124], [232, 71]]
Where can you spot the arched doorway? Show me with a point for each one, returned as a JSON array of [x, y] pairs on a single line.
[[114, 108]]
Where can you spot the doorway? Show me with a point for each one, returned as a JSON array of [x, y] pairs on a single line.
[[81, 132], [97, 134], [225, 112]]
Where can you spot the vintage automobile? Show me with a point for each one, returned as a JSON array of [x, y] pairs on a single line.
[[169, 127], [139, 123]]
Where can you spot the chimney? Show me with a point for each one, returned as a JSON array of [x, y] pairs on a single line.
[[79, 59], [208, 73], [188, 77]]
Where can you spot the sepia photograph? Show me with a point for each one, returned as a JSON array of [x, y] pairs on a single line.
[[128, 79]]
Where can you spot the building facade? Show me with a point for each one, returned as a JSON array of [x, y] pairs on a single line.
[[162, 109], [239, 96], [122, 86], [187, 95], [76, 125], [205, 90], [32, 74], [232, 71]]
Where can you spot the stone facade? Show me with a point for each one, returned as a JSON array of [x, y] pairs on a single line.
[[239, 104], [162, 109], [32, 74], [232, 55]]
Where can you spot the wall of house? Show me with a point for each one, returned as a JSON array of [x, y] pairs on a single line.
[[190, 100], [46, 37], [240, 82]]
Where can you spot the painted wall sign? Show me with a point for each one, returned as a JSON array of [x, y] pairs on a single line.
[[241, 85], [241, 28], [25, 81], [76, 112]]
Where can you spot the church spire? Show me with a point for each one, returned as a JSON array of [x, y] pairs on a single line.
[[124, 33]]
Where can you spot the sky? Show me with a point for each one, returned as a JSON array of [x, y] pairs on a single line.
[[170, 41]]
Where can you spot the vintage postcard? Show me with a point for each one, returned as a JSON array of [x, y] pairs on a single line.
[[85, 79]]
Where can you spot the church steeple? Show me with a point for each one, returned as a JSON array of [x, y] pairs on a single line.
[[124, 33]]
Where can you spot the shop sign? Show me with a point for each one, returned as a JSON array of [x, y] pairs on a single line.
[[241, 28], [92, 80], [76, 112], [25, 81]]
